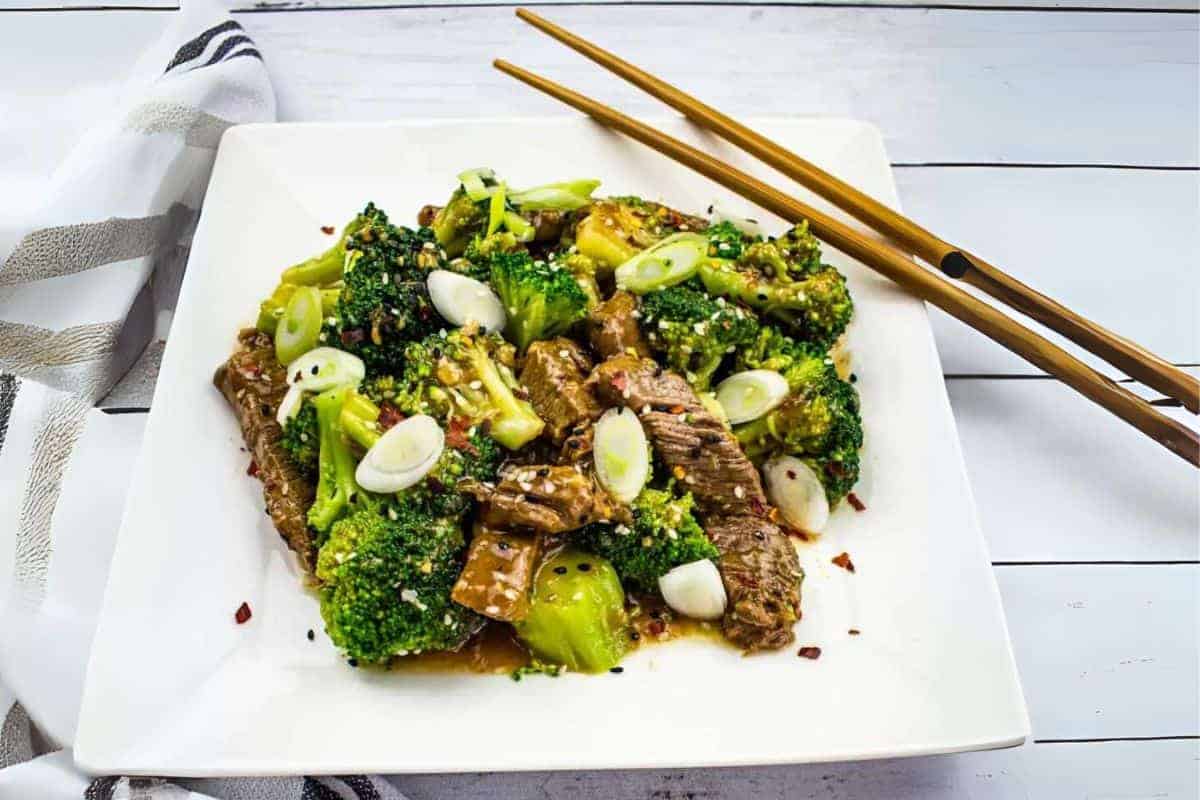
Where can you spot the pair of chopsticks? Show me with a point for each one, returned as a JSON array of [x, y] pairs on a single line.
[[892, 262]]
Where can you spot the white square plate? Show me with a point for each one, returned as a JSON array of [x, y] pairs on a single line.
[[174, 687]]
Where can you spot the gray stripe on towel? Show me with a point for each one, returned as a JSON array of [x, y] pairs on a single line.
[[199, 128], [64, 417], [67, 249], [16, 744], [28, 347]]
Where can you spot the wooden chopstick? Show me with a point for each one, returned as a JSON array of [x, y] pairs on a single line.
[[894, 264], [1132, 359]]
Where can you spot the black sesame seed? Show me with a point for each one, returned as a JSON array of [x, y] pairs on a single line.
[[315, 369], [762, 297], [853, 377], [503, 545], [353, 662], [635, 636], [311, 635], [560, 570], [617, 670], [584, 567], [574, 444], [543, 472]]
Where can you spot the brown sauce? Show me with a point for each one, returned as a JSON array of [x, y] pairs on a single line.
[[496, 649]]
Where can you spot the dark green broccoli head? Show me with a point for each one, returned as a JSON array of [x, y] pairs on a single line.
[[384, 304], [726, 240], [819, 422], [693, 332], [386, 579], [542, 299], [476, 261], [798, 362], [664, 535], [302, 440], [785, 279], [465, 376], [468, 454]]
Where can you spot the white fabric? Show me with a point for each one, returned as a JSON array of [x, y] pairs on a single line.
[[88, 276]]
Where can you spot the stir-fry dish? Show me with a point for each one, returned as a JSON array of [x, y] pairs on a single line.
[[556, 419]]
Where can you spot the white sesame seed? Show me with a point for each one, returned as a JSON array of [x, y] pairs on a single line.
[[739, 492], [563, 354], [492, 610], [548, 487]]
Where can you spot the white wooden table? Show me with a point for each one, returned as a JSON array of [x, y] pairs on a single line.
[[1059, 139]]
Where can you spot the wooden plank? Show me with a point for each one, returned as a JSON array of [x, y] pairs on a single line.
[[1105, 651], [1057, 478], [1119, 246], [942, 85], [1162, 770]]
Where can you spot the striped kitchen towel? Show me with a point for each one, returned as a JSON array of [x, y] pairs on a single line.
[[89, 272]]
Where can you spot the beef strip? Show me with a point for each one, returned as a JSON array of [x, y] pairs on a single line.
[[544, 499], [613, 327], [254, 382], [758, 563], [554, 372], [496, 579], [762, 575], [691, 441]]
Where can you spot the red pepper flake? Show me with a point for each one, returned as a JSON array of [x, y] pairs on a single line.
[[456, 436], [656, 628], [853, 500], [242, 615], [389, 415], [327, 230], [810, 652], [252, 470], [353, 336], [676, 409], [843, 561], [620, 381], [854, 631], [757, 507]]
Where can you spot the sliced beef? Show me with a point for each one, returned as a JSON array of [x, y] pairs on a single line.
[[613, 327], [758, 563], [544, 499], [762, 577], [496, 579], [554, 372], [691, 441], [254, 382]]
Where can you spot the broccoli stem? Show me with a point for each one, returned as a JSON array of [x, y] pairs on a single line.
[[319, 270], [517, 424], [336, 487], [359, 420]]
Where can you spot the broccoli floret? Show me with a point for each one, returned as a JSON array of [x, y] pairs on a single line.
[[820, 422], [336, 487], [542, 299], [800, 363], [387, 577], [466, 377], [664, 535], [726, 240], [384, 304], [468, 453], [301, 440], [476, 261], [693, 332], [785, 279]]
